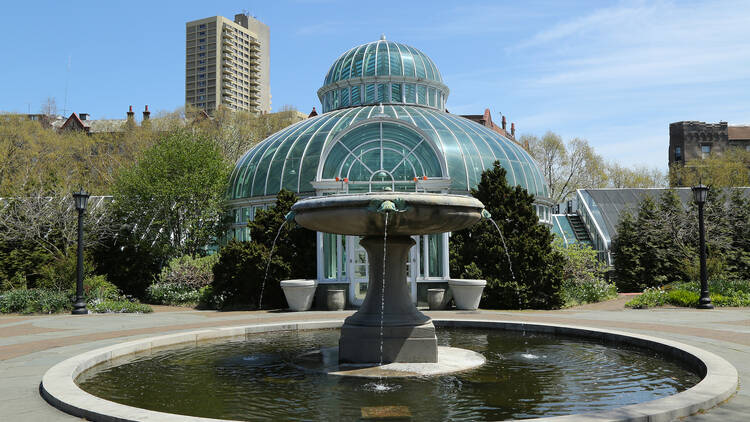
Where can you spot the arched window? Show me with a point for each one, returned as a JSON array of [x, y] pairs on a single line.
[[381, 154]]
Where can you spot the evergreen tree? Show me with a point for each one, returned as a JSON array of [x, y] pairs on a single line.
[[534, 276]]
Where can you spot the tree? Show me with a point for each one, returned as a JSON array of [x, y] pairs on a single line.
[[567, 167], [174, 196], [533, 278], [240, 274], [636, 177], [731, 169]]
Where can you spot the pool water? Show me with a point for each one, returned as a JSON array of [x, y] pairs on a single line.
[[526, 376]]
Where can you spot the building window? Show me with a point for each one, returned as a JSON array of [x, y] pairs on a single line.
[[202, 33], [201, 83], [202, 76], [705, 150], [202, 55], [202, 40], [201, 26], [678, 153], [201, 47]]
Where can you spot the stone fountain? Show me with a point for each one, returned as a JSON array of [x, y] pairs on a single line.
[[408, 335]]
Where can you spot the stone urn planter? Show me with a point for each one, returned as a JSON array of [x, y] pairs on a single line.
[[299, 293], [435, 299], [467, 293], [336, 300]]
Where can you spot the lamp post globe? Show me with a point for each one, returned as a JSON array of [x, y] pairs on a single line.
[[81, 198], [699, 195]]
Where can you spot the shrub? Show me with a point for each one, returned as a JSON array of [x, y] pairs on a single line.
[[193, 273], [97, 287], [683, 298], [119, 306], [61, 273], [536, 275], [575, 292], [176, 294], [208, 300], [239, 273], [652, 296], [27, 301], [129, 264]]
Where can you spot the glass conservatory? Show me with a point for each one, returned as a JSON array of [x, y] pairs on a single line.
[[383, 129]]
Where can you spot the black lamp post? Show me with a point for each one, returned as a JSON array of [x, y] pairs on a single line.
[[79, 307], [699, 194]]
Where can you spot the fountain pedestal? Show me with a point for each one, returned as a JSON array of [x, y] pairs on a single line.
[[408, 334]]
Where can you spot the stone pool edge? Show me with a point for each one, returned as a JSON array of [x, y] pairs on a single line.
[[719, 382]]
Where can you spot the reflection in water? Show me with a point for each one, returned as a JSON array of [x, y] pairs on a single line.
[[526, 375]]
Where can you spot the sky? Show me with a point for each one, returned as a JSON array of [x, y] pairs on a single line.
[[615, 73]]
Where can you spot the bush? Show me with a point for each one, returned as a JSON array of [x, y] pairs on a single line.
[[208, 300], [536, 275], [682, 298], [176, 294], [119, 306], [652, 296], [193, 273], [27, 301], [239, 273], [575, 292], [582, 275], [61, 273], [98, 288], [128, 264]]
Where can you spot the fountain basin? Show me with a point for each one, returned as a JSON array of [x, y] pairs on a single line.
[[417, 213], [719, 378], [299, 293]]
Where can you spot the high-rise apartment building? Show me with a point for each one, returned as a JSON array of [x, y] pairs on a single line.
[[227, 63]]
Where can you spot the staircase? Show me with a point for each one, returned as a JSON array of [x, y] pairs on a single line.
[[582, 235]]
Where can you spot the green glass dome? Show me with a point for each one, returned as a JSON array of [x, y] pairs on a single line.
[[388, 147], [383, 72]]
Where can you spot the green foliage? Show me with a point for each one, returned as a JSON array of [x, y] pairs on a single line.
[[20, 263], [61, 273], [582, 275], [238, 276], [173, 197], [27, 301], [181, 281], [96, 287], [121, 306], [128, 263], [723, 292], [176, 294], [207, 299], [295, 245], [537, 270], [660, 246], [193, 273]]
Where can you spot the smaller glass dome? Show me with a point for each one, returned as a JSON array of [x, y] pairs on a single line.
[[383, 72]]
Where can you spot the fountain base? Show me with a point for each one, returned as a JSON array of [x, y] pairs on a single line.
[[361, 344]]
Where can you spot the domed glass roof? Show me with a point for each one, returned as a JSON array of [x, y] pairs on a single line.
[[383, 58], [381, 147], [383, 72]]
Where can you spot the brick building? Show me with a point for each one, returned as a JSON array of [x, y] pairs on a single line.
[[693, 140]]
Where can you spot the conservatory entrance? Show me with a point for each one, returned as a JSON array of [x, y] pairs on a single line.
[[380, 154]]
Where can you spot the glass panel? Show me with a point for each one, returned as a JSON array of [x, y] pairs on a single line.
[[411, 93], [408, 61], [344, 100], [418, 63], [356, 99], [395, 57], [396, 93], [422, 94], [335, 99], [382, 65], [370, 94], [431, 97], [381, 93], [329, 255], [435, 255], [370, 61], [357, 64]]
